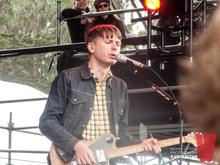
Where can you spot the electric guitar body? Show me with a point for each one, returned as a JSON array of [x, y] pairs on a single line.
[[104, 149]]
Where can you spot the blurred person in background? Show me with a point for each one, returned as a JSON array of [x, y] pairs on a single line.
[[201, 99], [104, 5], [76, 26]]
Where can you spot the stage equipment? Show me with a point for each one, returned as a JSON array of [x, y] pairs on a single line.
[[167, 8], [151, 5], [170, 8]]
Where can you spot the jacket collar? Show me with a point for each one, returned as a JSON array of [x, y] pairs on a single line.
[[85, 72]]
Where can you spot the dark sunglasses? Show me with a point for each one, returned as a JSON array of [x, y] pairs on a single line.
[[100, 6]]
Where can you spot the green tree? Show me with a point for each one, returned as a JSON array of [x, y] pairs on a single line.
[[25, 24], [33, 23]]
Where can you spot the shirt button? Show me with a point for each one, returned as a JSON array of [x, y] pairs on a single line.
[[90, 109], [93, 91], [74, 99], [84, 126]]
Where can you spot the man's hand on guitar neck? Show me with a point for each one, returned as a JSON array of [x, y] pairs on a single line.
[[151, 147], [83, 154]]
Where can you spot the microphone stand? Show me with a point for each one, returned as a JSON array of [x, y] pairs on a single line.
[[167, 97]]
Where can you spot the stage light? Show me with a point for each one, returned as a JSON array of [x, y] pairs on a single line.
[[151, 5]]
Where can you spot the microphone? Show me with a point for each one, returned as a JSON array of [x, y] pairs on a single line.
[[122, 58]]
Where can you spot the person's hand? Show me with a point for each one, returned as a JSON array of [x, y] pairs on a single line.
[[83, 154], [151, 147], [83, 21], [90, 19]]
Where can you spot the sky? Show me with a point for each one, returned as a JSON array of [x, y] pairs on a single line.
[[24, 114]]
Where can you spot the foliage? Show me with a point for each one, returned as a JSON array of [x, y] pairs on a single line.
[[33, 23], [28, 24], [32, 69]]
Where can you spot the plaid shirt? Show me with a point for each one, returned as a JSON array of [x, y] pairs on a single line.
[[99, 122]]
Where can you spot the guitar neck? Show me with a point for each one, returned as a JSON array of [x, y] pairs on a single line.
[[113, 153]]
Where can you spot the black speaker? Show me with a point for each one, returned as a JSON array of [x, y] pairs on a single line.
[[171, 8]]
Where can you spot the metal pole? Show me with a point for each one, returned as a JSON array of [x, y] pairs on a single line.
[[183, 32], [181, 135], [162, 23], [149, 37], [58, 21], [10, 125], [204, 14], [191, 30]]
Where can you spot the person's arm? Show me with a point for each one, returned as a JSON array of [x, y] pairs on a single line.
[[51, 120], [52, 127], [70, 12]]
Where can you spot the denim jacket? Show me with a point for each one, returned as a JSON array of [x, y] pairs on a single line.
[[70, 104]]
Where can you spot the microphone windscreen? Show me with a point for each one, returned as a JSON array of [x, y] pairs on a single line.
[[121, 58]]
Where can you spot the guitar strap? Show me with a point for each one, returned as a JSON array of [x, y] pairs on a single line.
[[115, 105]]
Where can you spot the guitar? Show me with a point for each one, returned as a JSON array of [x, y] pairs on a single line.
[[104, 149]]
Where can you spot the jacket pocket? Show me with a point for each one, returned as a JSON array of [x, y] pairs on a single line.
[[74, 110], [76, 103]]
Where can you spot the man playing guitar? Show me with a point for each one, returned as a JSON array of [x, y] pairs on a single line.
[[82, 106]]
